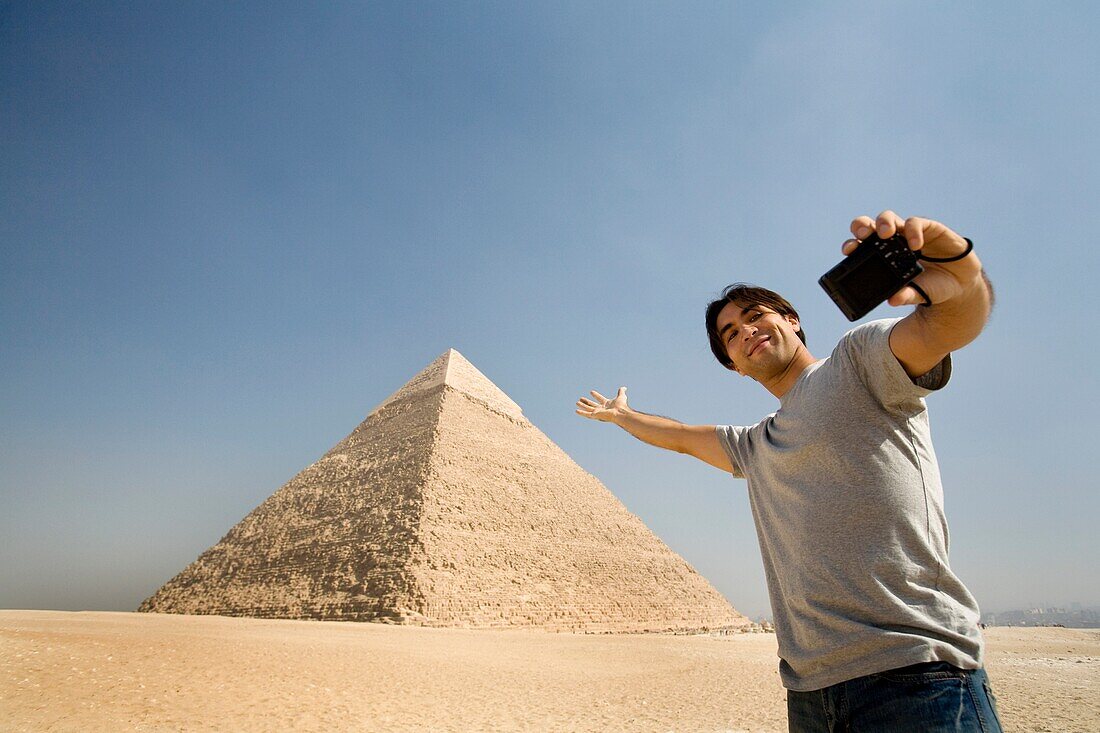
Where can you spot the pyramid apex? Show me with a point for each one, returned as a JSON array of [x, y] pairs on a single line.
[[454, 370], [451, 355]]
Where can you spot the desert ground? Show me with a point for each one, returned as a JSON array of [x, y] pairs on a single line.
[[94, 671]]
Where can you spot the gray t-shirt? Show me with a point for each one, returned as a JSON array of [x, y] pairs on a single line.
[[846, 495]]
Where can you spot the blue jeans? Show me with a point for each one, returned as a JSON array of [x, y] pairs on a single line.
[[932, 697]]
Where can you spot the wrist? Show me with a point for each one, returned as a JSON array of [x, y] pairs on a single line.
[[620, 415]]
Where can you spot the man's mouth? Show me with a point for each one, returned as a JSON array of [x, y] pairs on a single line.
[[759, 344]]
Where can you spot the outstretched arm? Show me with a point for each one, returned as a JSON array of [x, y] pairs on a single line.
[[700, 441], [961, 295]]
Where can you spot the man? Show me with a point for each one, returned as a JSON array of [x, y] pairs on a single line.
[[875, 632]]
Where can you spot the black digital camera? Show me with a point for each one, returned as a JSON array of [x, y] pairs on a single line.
[[876, 270]]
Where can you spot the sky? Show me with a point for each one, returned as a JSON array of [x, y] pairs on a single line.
[[229, 231]]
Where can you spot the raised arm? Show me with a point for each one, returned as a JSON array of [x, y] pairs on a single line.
[[700, 441], [961, 295]]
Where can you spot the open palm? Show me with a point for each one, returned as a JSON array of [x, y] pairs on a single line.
[[600, 407]]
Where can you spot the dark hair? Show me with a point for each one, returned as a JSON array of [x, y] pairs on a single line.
[[746, 295]]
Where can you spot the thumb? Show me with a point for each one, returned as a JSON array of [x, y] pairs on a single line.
[[622, 394]]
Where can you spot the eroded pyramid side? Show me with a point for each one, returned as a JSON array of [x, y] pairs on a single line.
[[334, 542]]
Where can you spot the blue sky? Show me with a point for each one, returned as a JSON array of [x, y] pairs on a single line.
[[228, 232]]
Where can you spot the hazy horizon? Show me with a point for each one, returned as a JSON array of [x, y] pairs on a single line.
[[228, 232]]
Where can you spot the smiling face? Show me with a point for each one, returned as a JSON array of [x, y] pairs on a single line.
[[760, 342]]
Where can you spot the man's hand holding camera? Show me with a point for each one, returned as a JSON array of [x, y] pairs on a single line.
[[941, 281], [960, 294]]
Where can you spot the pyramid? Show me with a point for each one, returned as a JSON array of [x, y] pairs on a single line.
[[447, 507]]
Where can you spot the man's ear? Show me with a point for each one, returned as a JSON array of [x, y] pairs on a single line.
[[793, 320]]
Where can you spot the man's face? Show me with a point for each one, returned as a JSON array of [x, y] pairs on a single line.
[[759, 341]]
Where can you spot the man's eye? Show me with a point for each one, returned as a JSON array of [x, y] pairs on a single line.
[[732, 335], [754, 317]]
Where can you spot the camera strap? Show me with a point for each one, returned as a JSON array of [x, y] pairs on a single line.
[[920, 291], [956, 258]]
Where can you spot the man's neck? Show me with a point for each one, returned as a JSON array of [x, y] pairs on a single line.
[[781, 382]]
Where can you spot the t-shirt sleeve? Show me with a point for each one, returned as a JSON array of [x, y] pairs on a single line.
[[729, 437], [868, 348]]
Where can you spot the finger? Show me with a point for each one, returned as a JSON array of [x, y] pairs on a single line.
[[887, 224], [906, 296], [862, 227], [584, 401], [598, 396], [914, 232], [621, 394], [849, 246], [937, 240]]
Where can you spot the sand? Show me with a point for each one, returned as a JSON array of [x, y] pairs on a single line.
[[63, 671]]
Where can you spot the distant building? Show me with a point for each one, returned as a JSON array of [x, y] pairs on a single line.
[[1073, 617]]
